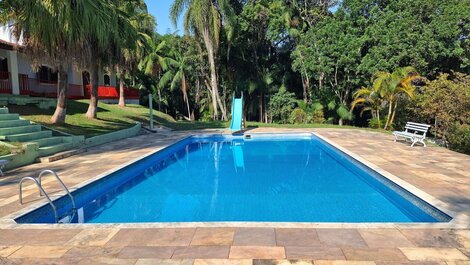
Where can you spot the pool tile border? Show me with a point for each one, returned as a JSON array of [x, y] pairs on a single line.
[[458, 221]]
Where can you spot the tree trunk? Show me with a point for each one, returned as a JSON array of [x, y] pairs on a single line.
[[260, 104], [340, 122], [93, 106], [393, 114], [390, 106], [213, 82], [122, 99], [61, 108]]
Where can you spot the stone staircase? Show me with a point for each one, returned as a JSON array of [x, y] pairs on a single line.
[[14, 129]]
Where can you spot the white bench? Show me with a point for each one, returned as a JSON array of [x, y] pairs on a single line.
[[416, 132]]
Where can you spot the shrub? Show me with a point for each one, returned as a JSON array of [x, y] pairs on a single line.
[[458, 137], [298, 116], [281, 105], [318, 116], [444, 101], [375, 124]]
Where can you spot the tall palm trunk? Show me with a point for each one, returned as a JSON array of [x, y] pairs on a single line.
[[393, 113], [61, 108], [390, 106], [185, 94], [93, 106], [215, 90], [122, 99]]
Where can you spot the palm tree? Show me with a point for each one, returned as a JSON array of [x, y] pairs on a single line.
[[53, 31], [204, 18], [396, 85], [387, 87], [177, 76], [154, 61], [133, 50], [114, 30], [370, 100]]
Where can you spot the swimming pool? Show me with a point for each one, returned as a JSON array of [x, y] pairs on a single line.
[[226, 178]]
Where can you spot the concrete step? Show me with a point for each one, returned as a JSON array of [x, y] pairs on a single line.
[[14, 123], [28, 137], [49, 141], [3, 110], [9, 116], [19, 130], [52, 149]]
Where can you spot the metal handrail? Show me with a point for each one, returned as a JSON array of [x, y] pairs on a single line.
[[56, 216], [74, 208]]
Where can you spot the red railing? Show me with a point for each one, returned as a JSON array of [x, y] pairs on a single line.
[[5, 83], [110, 92], [34, 87]]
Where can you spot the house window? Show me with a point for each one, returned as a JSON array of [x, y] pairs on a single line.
[[3, 68], [47, 75], [107, 80]]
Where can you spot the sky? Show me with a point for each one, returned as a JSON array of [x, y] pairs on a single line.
[[160, 9]]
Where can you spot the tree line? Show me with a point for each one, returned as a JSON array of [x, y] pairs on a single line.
[[293, 60]]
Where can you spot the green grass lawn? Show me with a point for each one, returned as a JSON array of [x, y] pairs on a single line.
[[112, 117]]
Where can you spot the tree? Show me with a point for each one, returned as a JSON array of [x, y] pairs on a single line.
[[155, 61], [444, 102], [204, 18], [133, 50], [34, 21], [110, 35], [370, 100], [177, 76], [387, 87]]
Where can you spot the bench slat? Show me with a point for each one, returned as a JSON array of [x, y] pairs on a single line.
[[416, 128], [420, 124]]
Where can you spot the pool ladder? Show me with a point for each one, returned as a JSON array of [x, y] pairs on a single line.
[[42, 192]]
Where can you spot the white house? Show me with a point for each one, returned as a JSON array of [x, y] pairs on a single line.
[[18, 77]]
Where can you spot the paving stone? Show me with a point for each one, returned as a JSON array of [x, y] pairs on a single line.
[[164, 262], [92, 252], [384, 238], [447, 254], [106, 261], [322, 253], [142, 252], [254, 237], [6, 251], [47, 261], [213, 236], [297, 237], [223, 262], [430, 237], [281, 262], [131, 237], [93, 237], [172, 237], [343, 262], [374, 254], [411, 263], [341, 238], [257, 252], [40, 252], [463, 237], [201, 252]]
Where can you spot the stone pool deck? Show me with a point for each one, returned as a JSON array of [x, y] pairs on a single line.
[[443, 174]]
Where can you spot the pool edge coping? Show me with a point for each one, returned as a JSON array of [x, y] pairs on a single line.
[[459, 221]]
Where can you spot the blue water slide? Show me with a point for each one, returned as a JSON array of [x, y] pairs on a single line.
[[237, 113]]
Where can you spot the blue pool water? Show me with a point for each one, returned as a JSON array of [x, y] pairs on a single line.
[[269, 178]]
